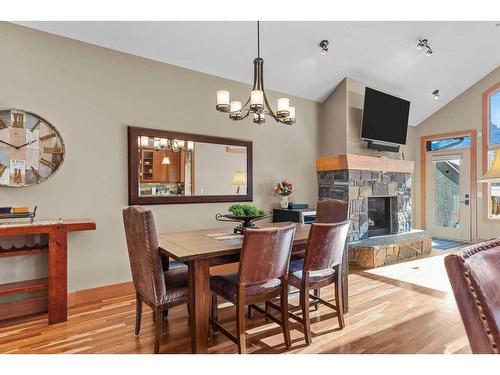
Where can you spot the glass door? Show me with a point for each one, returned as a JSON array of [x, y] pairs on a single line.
[[448, 196]]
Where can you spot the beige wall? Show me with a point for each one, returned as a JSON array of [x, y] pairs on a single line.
[[91, 94], [332, 130], [462, 113]]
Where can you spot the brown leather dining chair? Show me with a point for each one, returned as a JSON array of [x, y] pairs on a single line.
[[332, 211], [474, 274], [321, 266], [262, 275], [159, 289]]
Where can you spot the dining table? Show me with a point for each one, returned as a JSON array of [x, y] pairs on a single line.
[[202, 249]]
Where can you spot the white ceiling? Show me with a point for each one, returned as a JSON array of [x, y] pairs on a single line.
[[380, 54]]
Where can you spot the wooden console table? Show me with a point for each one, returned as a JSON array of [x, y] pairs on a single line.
[[57, 280]]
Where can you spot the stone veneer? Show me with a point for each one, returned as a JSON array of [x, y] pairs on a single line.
[[355, 186]]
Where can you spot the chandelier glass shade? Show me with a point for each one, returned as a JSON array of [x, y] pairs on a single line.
[[257, 104]]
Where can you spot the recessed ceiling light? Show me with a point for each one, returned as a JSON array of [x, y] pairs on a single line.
[[323, 45], [435, 94]]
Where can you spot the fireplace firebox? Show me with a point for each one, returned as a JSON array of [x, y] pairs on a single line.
[[379, 216]]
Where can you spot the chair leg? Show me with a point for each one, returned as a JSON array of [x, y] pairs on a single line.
[[138, 314], [339, 300], [240, 325], [214, 311], [157, 316], [165, 314], [284, 316], [304, 302], [317, 293], [268, 310]]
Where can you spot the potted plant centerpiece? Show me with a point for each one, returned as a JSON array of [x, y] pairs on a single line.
[[245, 214], [284, 189]]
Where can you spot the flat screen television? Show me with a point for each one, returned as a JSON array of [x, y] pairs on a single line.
[[385, 117]]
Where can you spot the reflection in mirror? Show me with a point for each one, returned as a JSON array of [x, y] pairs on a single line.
[[177, 167]]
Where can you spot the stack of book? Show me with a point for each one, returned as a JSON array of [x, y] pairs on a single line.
[[16, 215]]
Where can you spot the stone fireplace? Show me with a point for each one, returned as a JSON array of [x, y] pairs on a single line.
[[369, 184], [379, 194]]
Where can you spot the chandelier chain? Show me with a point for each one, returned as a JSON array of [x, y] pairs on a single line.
[[258, 39]]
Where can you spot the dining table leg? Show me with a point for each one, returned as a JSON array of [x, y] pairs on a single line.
[[199, 300]]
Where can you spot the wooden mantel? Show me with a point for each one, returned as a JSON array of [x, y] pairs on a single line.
[[364, 163]]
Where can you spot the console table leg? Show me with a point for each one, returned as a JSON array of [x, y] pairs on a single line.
[[58, 275]]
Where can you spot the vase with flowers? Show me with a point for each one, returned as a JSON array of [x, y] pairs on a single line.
[[283, 189]]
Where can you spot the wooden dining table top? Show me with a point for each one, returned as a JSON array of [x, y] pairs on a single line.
[[198, 244]]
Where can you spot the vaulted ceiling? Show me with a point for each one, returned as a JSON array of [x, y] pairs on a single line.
[[380, 54]]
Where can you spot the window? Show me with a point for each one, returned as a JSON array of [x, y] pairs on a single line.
[[493, 137], [494, 118], [449, 143]]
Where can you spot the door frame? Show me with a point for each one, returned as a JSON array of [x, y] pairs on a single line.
[[473, 175]]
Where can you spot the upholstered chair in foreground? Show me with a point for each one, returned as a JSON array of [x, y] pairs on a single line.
[[474, 274], [262, 275], [159, 289]]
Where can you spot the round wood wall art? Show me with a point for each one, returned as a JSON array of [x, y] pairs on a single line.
[[31, 148]]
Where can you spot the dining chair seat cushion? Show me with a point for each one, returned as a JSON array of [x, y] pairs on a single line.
[[176, 281], [173, 265], [226, 285], [167, 264], [295, 274]]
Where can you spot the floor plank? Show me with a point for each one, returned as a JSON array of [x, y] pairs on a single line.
[[403, 308]]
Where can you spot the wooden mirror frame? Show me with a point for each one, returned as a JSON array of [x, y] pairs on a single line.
[[133, 170]]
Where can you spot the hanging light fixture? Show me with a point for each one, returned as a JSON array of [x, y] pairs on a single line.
[[257, 104]]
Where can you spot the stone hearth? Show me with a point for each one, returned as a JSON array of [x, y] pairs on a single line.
[[383, 250]]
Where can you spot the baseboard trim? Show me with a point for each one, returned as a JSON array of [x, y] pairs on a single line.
[[23, 307], [84, 296], [80, 297]]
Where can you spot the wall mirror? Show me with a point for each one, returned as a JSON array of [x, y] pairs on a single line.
[[172, 167]]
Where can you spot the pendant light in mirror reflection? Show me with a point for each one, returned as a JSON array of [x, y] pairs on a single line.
[[239, 179], [257, 104]]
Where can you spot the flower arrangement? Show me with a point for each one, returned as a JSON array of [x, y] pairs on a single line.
[[283, 188]]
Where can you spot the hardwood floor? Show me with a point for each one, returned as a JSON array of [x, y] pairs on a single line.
[[402, 308]]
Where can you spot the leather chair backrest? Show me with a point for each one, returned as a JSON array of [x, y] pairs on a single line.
[[144, 253], [265, 254], [325, 246], [332, 211], [474, 275]]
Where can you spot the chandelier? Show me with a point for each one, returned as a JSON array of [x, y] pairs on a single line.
[[174, 145], [163, 144], [257, 104]]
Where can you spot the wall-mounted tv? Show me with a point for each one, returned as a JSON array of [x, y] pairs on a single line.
[[385, 117]]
